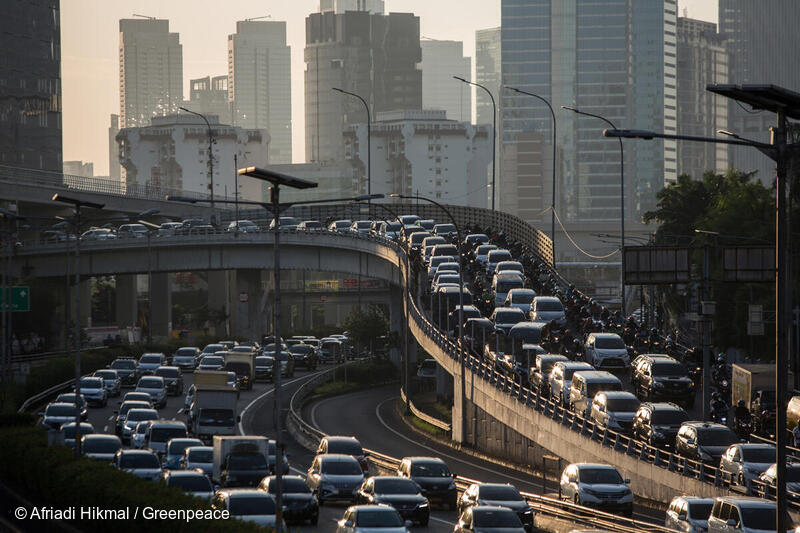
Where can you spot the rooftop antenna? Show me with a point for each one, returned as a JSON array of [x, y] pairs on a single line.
[[145, 17], [258, 18]]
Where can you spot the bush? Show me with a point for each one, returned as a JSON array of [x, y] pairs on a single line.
[[372, 372]]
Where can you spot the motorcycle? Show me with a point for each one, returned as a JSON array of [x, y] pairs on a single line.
[[719, 413], [743, 427]]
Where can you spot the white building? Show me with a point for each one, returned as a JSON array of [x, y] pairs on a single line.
[[172, 153], [422, 152], [441, 60], [259, 82]]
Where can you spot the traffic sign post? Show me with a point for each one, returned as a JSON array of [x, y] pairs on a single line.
[[17, 299]]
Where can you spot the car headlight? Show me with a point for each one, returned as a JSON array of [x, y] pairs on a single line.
[[527, 511], [422, 505]]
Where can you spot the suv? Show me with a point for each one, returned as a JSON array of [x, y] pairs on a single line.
[[540, 373], [335, 477], [614, 410], [346, 446], [657, 424], [587, 383], [172, 378], [704, 441], [743, 463], [606, 350], [186, 358], [598, 486], [433, 477], [560, 379], [688, 513], [148, 362], [127, 370], [663, 378], [732, 514], [497, 494]]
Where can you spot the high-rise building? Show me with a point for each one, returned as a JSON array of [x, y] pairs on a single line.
[[441, 60], [702, 60], [615, 59], [340, 6], [374, 56], [113, 149], [422, 152], [30, 84], [260, 82], [150, 71], [762, 38], [487, 72], [79, 168], [209, 96]]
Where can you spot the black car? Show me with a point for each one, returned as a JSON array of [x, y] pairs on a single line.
[[300, 504], [128, 371], [662, 378], [264, 368], [657, 424], [499, 494], [305, 354], [704, 441], [433, 477], [401, 493], [173, 378]]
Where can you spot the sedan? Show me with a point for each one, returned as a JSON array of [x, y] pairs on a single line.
[[249, 505], [141, 463], [56, 414], [598, 486], [489, 519], [175, 449], [100, 446], [742, 463], [156, 387], [94, 390], [133, 417], [401, 493], [211, 362], [300, 504], [192, 482], [198, 457], [497, 494], [371, 519], [185, 358], [67, 432], [111, 381]]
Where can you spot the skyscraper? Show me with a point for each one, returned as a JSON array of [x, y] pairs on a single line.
[[374, 56], [615, 59], [209, 96], [340, 6], [762, 39], [259, 82], [702, 60], [441, 60], [30, 84], [487, 71]]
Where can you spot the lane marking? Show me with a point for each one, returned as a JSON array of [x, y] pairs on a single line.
[[442, 521]]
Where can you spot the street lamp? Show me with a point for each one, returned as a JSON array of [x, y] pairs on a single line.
[[494, 131], [369, 135], [210, 150], [460, 303], [553, 200], [621, 200]]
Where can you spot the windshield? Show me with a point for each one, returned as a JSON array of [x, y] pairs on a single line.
[[522, 297], [300, 349], [137, 415], [758, 455], [624, 405], [378, 518], [716, 437], [418, 237], [106, 374], [101, 445], [669, 369], [151, 383], [150, 359], [91, 383], [669, 418], [198, 483], [201, 456], [363, 224], [593, 476], [291, 485], [264, 361], [449, 278], [177, 447], [512, 266], [549, 305], [139, 460], [501, 493], [125, 364], [429, 470], [341, 468], [164, 434], [594, 388], [506, 285], [528, 335], [247, 461], [495, 518], [167, 372], [609, 343], [436, 261], [216, 417], [345, 447], [395, 486], [211, 360], [69, 431], [506, 316], [213, 348], [61, 410], [761, 518], [484, 249], [700, 510], [499, 255], [251, 505]]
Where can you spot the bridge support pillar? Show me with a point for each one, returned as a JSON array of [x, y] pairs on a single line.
[[396, 327], [248, 304], [161, 295], [219, 294], [459, 433], [126, 307]]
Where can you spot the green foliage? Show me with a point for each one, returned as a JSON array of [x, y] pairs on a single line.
[[365, 326], [371, 372]]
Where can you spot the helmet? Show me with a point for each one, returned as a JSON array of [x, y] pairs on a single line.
[[715, 396], [654, 331], [740, 403], [722, 358]]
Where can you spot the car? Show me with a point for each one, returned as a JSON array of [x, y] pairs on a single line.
[[172, 377], [433, 477], [494, 257], [689, 514], [249, 505], [371, 519], [509, 266], [539, 373], [449, 250], [505, 318], [414, 241], [614, 410], [704, 441], [111, 381], [331, 350], [560, 379], [69, 397], [448, 231], [445, 278], [100, 446], [547, 308], [606, 351], [160, 432], [657, 424], [520, 298], [134, 396], [133, 417], [67, 431], [141, 463], [474, 239], [743, 463], [386, 229], [242, 226], [427, 245], [598, 486], [125, 407], [769, 479], [335, 477], [285, 223], [211, 362], [503, 283], [168, 229], [198, 458], [300, 503], [662, 378], [186, 358], [175, 449], [128, 371], [497, 494], [94, 391], [132, 231], [211, 349], [286, 360], [148, 363], [587, 383], [489, 519], [434, 262], [344, 445], [409, 220], [741, 514], [341, 226], [481, 253], [264, 366], [304, 354], [401, 493], [228, 345], [192, 482], [58, 413], [139, 432], [156, 387], [310, 225], [98, 234], [360, 227], [190, 225]]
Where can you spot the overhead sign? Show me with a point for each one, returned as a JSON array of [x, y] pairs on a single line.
[[655, 265], [748, 263], [17, 299]]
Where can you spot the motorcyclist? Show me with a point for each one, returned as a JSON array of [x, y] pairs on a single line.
[[718, 406], [741, 413], [720, 367]]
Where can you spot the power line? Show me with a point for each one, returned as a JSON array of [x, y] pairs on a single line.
[[577, 247]]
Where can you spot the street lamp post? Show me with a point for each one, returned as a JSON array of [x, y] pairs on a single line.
[[210, 150], [369, 136], [461, 357], [621, 200], [494, 132], [553, 199]]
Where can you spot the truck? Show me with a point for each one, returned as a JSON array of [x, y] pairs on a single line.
[[210, 377], [746, 379], [240, 461], [243, 364], [213, 411]]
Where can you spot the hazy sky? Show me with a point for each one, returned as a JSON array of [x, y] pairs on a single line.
[[90, 40]]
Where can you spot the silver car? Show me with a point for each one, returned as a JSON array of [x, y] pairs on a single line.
[[606, 350], [148, 362], [111, 381], [141, 463], [372, 519], [100, 446], [560, 379], [689, 514], [547, 308], [192, 482], [198, 457], [742, 463], [249, 505], [614, 410], [133, 417], [156, 387], [94, 390], [66, 434], [335, 477], [56, 414], [598, 486]]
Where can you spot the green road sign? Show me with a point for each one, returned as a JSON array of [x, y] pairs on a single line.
[[16, 299]]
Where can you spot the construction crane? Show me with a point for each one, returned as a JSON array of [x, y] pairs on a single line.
[[145, 17], [258, 18]]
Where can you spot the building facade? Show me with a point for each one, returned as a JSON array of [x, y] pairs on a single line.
[[702, 60], [79, 168], [422, 152], [340, 6], [172, 153], [30, 84], [209, 96], [616, 59], [762, 38], [334, 180], [487, 72], [374, 56], [150, 71], [114, 170], [260, 81], [441, 60]]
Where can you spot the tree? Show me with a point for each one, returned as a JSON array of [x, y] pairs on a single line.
[[365, 326]]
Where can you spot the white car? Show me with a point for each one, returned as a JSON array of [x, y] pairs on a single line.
[[482, 253], [192, 482], [100, 446], [547, 308], [520, 298], [94, 391], [137, 437], [434, 263], [689, 514], [250, 505], [745, 462], [242, 226], [371, 519], [198, 457], [141, 463], [133, 417], [598, 486], [560, 379], [614, 410], [606, 350]]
